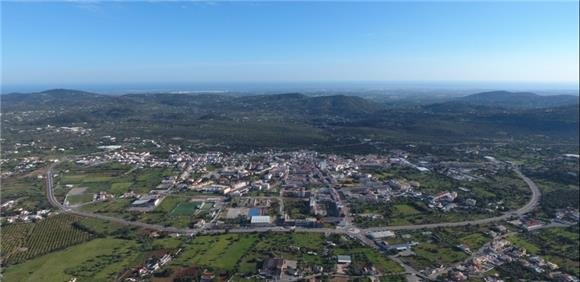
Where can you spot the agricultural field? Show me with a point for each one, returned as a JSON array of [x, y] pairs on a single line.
[[97, 260], [23, 241], [12, 237]]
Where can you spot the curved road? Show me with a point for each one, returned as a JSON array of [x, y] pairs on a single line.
[[532, 203], [53, 201]]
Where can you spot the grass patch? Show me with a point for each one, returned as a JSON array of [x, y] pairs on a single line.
[[405, 210], [474, 241], [79, 198], [522, 243], [120, 187]]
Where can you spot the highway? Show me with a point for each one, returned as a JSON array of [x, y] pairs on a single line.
[[529, 206]]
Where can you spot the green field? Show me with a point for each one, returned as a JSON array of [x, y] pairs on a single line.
[[474, 241], [173, 211], [217, 252], [79, 198], [522, 243], [112, 207], [98, 227], [97, 260], [112, 177], [241, 254], [170, 203], [185, 208], [120, 187], [433, 255], [405, 210]]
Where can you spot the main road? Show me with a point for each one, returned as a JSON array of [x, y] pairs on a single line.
[[529, 206]]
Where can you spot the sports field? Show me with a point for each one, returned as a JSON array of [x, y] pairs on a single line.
[[185, 208]]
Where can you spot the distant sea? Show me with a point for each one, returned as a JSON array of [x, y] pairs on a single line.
[[459, 87]]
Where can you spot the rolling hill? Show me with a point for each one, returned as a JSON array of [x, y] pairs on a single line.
[[522, 100], [293, 118]]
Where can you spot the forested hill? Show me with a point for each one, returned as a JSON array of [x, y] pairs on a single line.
[[339, 105], [522, 100], [284, 119]]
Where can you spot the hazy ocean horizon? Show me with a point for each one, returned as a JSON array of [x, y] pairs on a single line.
[[306, 87]]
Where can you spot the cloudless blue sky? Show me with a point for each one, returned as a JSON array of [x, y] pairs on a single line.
[[112, 42]]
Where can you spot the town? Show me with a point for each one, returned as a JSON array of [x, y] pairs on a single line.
[[371, 199]]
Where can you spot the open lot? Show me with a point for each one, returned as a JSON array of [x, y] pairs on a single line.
[[77, 196], [111, 177]]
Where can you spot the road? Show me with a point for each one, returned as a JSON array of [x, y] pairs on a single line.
[[529, 206]]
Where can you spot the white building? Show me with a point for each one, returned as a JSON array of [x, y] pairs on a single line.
[[261, 219]]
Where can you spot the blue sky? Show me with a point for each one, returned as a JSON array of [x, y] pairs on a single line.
[[111, 42]]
